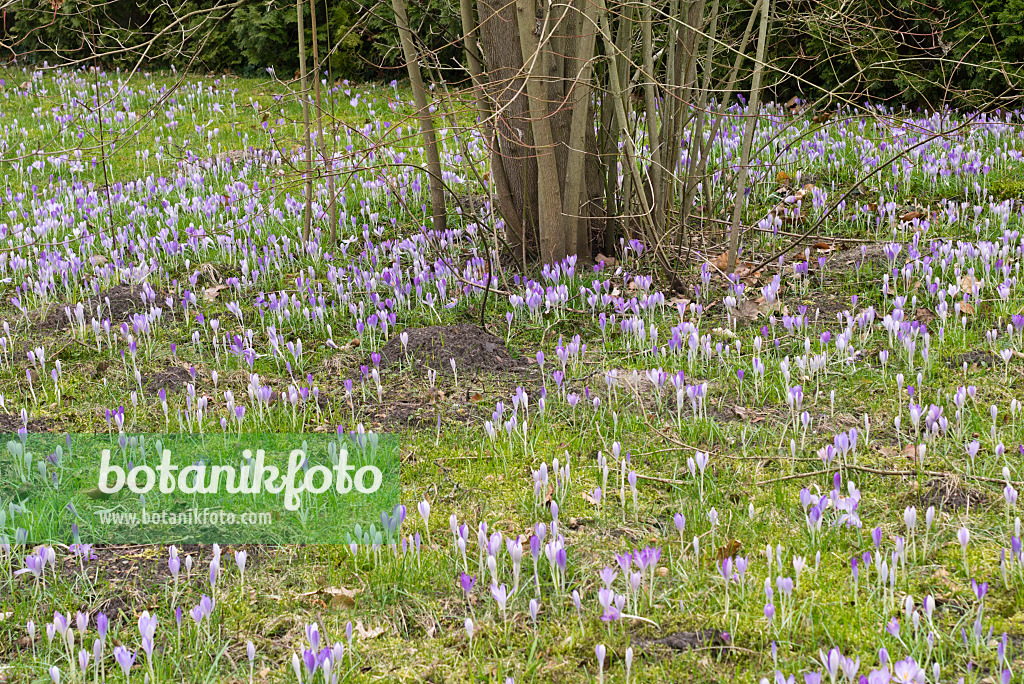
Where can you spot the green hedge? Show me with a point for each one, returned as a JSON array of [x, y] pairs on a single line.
[[915, 52], [247, 38]]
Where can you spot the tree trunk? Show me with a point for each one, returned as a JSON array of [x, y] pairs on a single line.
[[553, 237], [532, 104], [332, 207], [307, 212], [419, 94], [753, 109]]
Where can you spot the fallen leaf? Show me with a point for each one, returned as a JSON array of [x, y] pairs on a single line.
[[365, 633], [476, 397], [966, 308], [721, 262], [589, 499], [610, 262], [803, 192], [782, 178], [747, 311], [339, 596], [911, 215], [210, 293], [822, 246], [822, 118], [925, 315], [748, 414], [967, 284]]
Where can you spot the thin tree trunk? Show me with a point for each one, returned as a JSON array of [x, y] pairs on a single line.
[[553, 243], [632, 171], [498, 179], [753, 111], [701, 149], [419, 93], [579, 102], [307, 212], [650, 99], [332, 207], [609, 158]]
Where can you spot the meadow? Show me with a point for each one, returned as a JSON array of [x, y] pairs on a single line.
[[806, 471]]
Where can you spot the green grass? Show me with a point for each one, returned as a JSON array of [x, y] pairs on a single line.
[[410, 606]]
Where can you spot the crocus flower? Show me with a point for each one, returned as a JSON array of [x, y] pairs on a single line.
[[124, 658]]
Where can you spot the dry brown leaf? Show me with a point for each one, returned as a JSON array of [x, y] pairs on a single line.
[[589, 499], [721, 262], [803, 192], [476, 397], [746, 311], [966, 308], [610, 262], [338, 596], [822, 118], [967, 284], [911, 215], [925, 315], [210, 293], [748, 414], [745, 272], [782, 178], [822, 246], [371, 633]]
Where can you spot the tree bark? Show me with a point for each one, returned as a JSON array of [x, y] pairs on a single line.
[[553, 235], [332, 207], [753, 109], [307, 211], [419, 93], [578, 95]]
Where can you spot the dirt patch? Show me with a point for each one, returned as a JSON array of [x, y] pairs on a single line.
[[171, 379], [974, 359], [951, 495], [473, 348], [424, 411], [119, 304], [703, 639], [10, 424], [822, 308], [406, 414]]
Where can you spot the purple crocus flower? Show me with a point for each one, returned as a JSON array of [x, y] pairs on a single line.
[[125, 659]]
